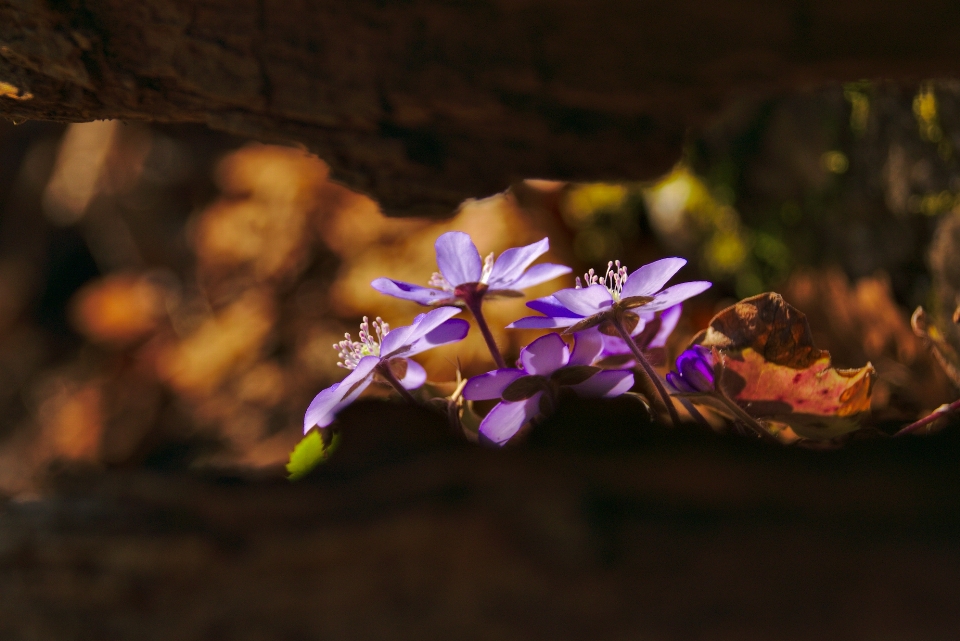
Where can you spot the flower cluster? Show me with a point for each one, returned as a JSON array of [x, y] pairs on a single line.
[[618, 323], [545, 368]]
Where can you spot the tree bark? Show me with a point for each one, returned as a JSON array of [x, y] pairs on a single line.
[[601, 528], [425, 102]]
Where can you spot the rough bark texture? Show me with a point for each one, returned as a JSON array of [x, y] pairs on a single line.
[[650, 535], [425, 102]]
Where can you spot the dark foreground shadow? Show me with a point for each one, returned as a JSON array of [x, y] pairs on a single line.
[[600, 527]]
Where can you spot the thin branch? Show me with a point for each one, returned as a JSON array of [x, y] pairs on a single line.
[[940, 412]]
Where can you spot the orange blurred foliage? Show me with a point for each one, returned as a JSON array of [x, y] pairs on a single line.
[[861, 322], [119, 309], [284, 260], [73, 420], [260, 222], [229, 341]]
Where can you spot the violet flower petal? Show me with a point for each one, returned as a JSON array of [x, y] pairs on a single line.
[[327, 403], [542, 322], [409, 291], [510, 265], [586, 301], [650, 279], [545, 355], [490, 385], [458, 258], [449, 331], [587, 346], [695, 366], [539, 274], [426, 323], [415, 376], [323, 407], [668, 323], [616, 346], [550, 306], [395, 343], [506, 418], [677, 294], [422, 325], [605, 384], [676, 382]]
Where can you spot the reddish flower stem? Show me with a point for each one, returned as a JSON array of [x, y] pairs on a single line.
[[926, 420], [648, 371], [383, 369], [695, 413], [474, 303]]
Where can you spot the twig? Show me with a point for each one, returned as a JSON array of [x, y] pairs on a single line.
[[941, 411], [937, 346]]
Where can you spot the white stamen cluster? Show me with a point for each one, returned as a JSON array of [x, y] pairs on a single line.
[[351, 351], [438, 281], [487, 268], [613, 280]]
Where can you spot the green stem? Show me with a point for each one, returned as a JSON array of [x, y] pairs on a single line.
[[648, 371]]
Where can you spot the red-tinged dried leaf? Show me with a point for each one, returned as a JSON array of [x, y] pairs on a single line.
[[791, 427], [769, 325], [772, 369], [765, 389]]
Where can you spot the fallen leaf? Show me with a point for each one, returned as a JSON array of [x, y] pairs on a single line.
[[772, 369]]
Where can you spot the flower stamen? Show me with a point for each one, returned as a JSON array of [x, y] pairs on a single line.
[[613, 280], [487, 268], [440, 282], [437, 280], [368, 343]]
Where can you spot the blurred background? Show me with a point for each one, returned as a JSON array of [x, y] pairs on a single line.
[[169, 295]]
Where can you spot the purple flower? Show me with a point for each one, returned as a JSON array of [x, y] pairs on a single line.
[[650, 336], [545, 366], [635, 298], [464, 275], [385, 353], [695, 371]]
